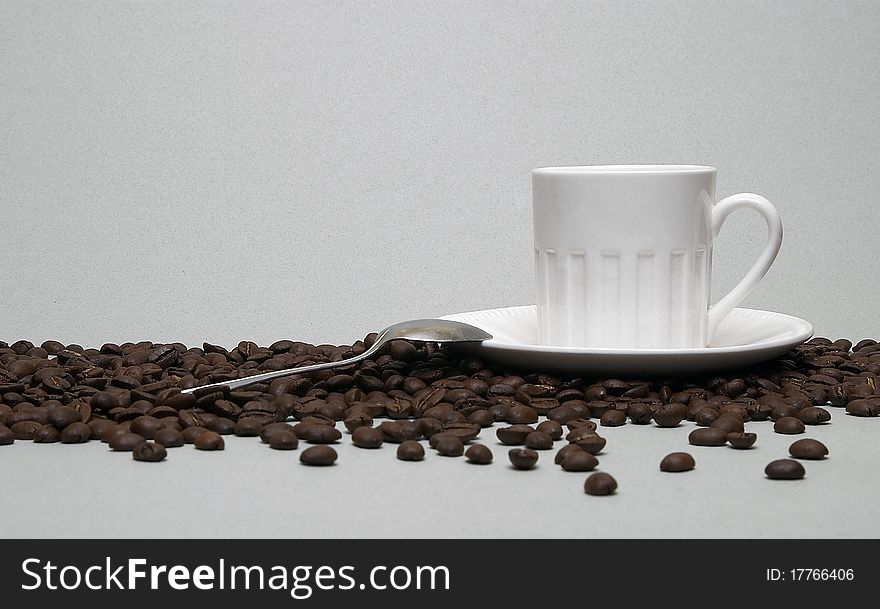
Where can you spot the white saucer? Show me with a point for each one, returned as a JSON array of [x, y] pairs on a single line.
[[744, 338]]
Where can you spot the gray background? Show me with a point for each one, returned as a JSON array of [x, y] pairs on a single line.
[[317, 170], [219, 171]]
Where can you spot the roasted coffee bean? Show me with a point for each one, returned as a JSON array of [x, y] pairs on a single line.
[[483, 418], [539, 440], [169, 437], [76, 433], [579, 461], [24, 430], [62, 416], [581, 423], [428, 427], [563, 452], [670, 415], [551, 428], [283, 440], [191, 433], [784, 469], [410, 450], [708, 436], [515, 435], [600, 483], [705, 416], [6, 436], [741, 440], [208, 440], [318, 455], [677, 462], [399, 431], [864, 408], [581, 432], [522, 458], [808, 449], [272, 428], [99, 426], [448, 445], [463, 431], [814, 415], [149, 451], [788, 425], [46, 434], [520, 414], [613, 418], [639, 413], [222, 426], [146, 426], [478, 454], [318, 434], [591, 444], [125, 441], [728, 424], [366, 437]]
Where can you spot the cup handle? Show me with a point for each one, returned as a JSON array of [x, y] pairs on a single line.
[[720, 212]]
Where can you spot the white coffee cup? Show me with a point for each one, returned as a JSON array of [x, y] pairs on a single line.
[[623, 254]]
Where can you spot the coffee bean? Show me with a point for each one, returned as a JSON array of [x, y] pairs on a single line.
[[356, 420], [6, 436], [814, 415], [146, 426], [366, 437], [463, 431], [149, 451], [397, 432], [784, 469], [62, 416], [580, 432], [808, 449], [283, 440], [46, 434], [741, 440], [566, 450], [538, 440], [169, 437], [591, 444], [410, 450], [613, 418], [318, 455], [99, 426], [318, 434], [514, 435], [728, 424], [551, 428], [448, 445], [864, 408], [478, 454], [272, 428], [481, 417], [522, 458], [677, 462], [600, 483], [222, 426], [248, 427], [125, 441], [521, 414], [670, 415], [639, 413], [191, 433], [208, 440], [580, 423], [76, 433], [24, 430], [579, 461], [788, 425], [708, 436]]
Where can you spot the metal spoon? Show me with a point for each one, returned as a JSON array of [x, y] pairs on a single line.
[[424, 330]]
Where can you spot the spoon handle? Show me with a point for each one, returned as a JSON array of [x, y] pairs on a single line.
[[268, 376]]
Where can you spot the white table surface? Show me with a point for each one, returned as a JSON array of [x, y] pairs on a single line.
[[250, 490]]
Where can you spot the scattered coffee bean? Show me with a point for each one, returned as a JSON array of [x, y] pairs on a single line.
[[76, 433], [410, 450], [318, 434], [191, 433], [169, 437], [708, 436], [613, 418], [521, 414], [515, 435], [448, 446], [149, 451], [366, 437], [125, 441], [864, 408], [551, 428], [789, 425], [784, 469], [6, 436], [741, 440], [728, 424], [580, 423], [62, 416], [47, 434], [479, 454], [522, 458], [248, 427], [579, 461], [99, 426], [670, 415], [283, 440], [208, 440], [814, 415], [677, 462], [600, 483], [318, 455], [808, 449], [592, 444], [146, 426], [563, 452], [538, 440]]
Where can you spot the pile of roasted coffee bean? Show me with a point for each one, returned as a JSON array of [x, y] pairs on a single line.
[[129, 396]]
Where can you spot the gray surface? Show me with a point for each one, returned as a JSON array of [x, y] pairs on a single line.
[[251, 490], [164, 162]]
